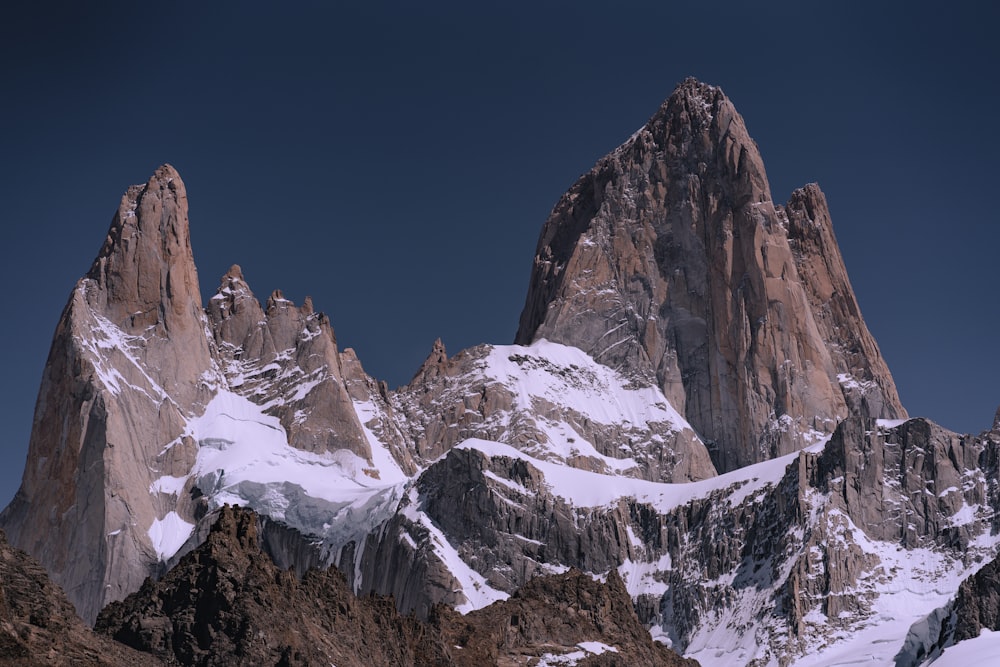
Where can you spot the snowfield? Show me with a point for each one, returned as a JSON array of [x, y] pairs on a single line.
[[244, 458]]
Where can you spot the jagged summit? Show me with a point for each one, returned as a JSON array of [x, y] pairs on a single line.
[[699, 128], [669, 261], [679, 324], [146, 266], [235, 272]]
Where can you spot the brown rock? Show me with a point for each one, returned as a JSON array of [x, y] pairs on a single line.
[[226, 603], [554, 615], [38, 625], [286, 358], [670, 260], [125, 368]]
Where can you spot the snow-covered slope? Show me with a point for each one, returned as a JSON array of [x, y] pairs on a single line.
[[504, 462], [553, 402], [698, 325]]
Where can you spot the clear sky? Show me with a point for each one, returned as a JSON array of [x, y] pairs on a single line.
[[396, 161]]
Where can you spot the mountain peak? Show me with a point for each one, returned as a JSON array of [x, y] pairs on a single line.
[[145, 267], [234, 272], [696, 94], [670, 261]]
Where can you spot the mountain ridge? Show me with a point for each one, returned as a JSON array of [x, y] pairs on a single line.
[[678, 325]]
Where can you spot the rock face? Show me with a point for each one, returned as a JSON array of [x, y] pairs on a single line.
[[124, 370], [226, 603], [567, 615], [108, 494], [760, 566], [678, 324], [977, 604], [288, 357], [38, 625], [552, 402], [669, 260]]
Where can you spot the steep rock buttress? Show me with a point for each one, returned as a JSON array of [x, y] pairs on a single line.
[[669, 260], [110, 490]]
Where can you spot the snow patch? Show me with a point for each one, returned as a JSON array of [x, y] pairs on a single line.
[[583, 488], [982, 650], [169, 534]]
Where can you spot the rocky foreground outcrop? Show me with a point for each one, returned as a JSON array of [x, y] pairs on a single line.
[[226, 603], [38, 626], [671, 261]]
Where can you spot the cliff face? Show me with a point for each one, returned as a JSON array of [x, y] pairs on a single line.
[[670, 261], [858, 537], [124, 371], [227, 603], [678, 325], [38, 626]]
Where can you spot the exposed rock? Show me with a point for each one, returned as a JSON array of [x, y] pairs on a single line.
[[551, 402], [227, 603], [38, 625], [977, 604], [376, 413], [555, 616], [764, 565], [669, 260], [124, 370], [286, 358]]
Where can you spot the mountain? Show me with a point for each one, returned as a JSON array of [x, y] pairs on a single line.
[[693, 405], [123, 372], [670, 261], [227, 603]]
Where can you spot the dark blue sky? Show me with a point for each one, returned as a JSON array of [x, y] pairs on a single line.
[[396, 161]]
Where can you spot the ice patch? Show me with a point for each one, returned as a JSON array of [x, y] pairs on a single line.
[[982, 650], [597, 648], [244, 459], [169, 485], [169, 534]]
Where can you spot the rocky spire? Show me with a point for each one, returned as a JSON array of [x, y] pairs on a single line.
[[253, 341], [146, 269], [124, 372], [134, 360], [669, 260]]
